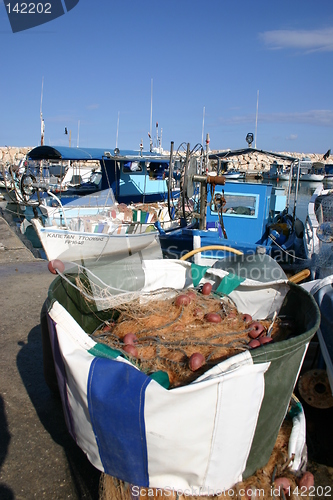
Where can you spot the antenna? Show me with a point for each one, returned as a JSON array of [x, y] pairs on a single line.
[[117, 130], [255, 135], [42, 124], [78, 134], [151, 108], [203, 125]]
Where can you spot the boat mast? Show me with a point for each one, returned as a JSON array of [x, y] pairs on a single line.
[[42, 124], [255, 137], [117, 131], [203, 125], [157, 138], [78, 134], [151, 108]]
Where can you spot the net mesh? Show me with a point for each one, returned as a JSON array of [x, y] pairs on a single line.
[[185, 334]]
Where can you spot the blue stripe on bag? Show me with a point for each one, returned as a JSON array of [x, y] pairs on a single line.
[[116, 398]]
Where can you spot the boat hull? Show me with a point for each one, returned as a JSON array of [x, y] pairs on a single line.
[[312, 177], [84, 246]]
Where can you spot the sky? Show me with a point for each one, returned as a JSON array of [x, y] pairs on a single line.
[[109, 70]]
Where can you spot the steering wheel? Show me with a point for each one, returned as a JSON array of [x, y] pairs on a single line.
[[26, 186], [210, 247]]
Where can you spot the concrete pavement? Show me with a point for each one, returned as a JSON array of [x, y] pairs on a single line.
[[38, 458]]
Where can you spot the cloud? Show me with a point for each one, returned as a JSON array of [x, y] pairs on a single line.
[[292, 137], [306, 40], [61, 119], [318, 117], [92, 106]]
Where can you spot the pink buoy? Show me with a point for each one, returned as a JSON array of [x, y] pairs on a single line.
[[206, 289], [196, 361], [265, 340], [213, 318], [131, 350], [56, 265], [182, 300], [130, 339], [283, 483], [254, 343], [191, 295], [247, 318], [256, 329]]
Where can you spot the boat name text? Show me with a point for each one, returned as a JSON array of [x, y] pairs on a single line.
[[72, 237]]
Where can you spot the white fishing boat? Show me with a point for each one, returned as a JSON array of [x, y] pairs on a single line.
[[234, 175], [277, 172], [313, 172], [96, 227]]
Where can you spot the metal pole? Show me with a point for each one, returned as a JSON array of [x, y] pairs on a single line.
[[296, 190], [203, 125], [203, 199], [207, 152], [255, 138], [185, 179], [170, 181], [289, 185]]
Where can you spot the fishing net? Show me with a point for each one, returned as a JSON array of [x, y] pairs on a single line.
[[180, 332], [184, 335], [324, 208]]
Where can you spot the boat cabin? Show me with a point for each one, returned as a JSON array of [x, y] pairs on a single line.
[[248, 209], [134, 176], [238, 215]]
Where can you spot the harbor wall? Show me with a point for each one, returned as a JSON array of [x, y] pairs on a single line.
[[256, 162]]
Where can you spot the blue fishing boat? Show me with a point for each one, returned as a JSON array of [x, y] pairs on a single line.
[[249, 217], [134, 177]]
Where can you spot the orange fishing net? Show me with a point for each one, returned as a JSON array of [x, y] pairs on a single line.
[[186, 335]]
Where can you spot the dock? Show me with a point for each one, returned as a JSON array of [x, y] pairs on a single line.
[[38, 457]]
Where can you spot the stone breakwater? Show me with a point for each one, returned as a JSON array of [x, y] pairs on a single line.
[[258, 162], [251, 163], [12, 155]]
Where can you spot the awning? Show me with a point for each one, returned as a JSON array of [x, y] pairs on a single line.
[[67, 153]]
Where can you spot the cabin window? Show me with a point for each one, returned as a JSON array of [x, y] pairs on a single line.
[[156, 171], [132, 166], [236, 205]]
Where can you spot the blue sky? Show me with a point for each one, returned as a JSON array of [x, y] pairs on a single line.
[[205, 60]]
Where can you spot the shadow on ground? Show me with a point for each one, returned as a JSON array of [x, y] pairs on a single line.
[[5, 492], [49, 410]]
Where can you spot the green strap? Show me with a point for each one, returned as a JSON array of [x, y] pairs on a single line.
[[161, 378], [104, 351], [229, 283], [197, 273]]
